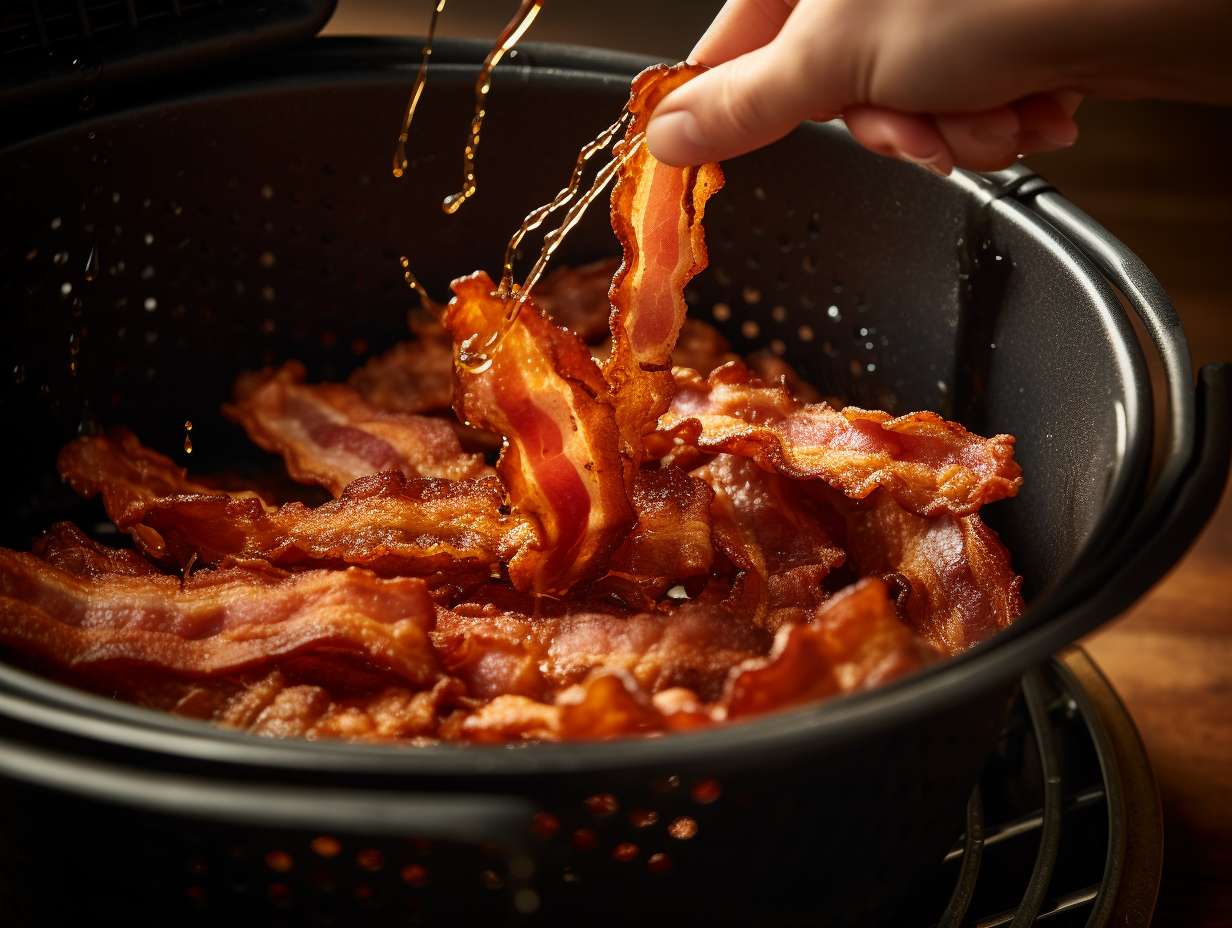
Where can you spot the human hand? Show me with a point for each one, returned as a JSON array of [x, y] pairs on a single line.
[[941, 83]]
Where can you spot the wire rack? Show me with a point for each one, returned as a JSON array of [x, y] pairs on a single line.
[[1046, 833]]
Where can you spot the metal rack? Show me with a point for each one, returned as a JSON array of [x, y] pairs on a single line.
[[1046, 836]]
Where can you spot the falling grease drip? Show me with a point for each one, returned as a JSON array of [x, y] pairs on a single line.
[[509, 37], [413, 282], [91, 268], [566, 196], [475, 357], [421, 80], [188, 444]]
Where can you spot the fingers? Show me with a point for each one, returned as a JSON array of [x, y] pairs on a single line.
[[900, 135], [740, 27], [986, 141], [1047, 121], [740, 105]]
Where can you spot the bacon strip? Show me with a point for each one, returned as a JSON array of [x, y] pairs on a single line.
[[413, 377], [329, 435], [670, 542], [507, 652], [962, 586], [855, 642], [212, 622], [772, 530], [930, 466], [285, 704], [657, 215], [541, 390], [385, 521]]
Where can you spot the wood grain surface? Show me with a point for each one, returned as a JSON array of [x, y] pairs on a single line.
[[1159, 176]]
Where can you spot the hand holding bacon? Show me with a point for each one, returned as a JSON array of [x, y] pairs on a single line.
[[658, 549]]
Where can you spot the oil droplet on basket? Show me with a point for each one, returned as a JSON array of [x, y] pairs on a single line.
[[188, 442]]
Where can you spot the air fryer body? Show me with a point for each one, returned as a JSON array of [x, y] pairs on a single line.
[[245, 223]]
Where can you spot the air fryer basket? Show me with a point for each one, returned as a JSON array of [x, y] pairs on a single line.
[[239, 223]]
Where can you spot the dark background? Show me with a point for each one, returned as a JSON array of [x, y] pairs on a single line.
[[1159, 176]]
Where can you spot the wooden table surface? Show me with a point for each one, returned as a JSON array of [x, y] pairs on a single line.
[[1159, 176]]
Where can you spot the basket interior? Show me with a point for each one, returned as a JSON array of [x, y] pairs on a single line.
[[261, 222]]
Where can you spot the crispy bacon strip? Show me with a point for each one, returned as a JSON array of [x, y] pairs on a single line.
[[413, 377], [506, 652], [773, 531], [930, 466], [212, 622], [657, 215], [963, 588], [329, 435], [855, 642], [608, 706], [670, 542], [541, 390], [385, 521]]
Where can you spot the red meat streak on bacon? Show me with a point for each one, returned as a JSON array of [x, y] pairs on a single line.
[[540, 388], [544, 445], [657, 213]]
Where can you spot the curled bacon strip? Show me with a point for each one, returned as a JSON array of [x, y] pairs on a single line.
[[929, 465], [962, 587], [769, 528], [385, 521], [541, 390], [288, 702], [329, 435], [413, 377], [212, 622], [855, 642], [506, 652], [671, 541], [657, 215], [608, 706]]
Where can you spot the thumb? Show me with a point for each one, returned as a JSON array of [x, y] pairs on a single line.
[[740, 105]]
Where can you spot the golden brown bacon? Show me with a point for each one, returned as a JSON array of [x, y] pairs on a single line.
[[541, 390], [855, 642], [929, 465], [500, 651], [670, 543], [767, 526], [657, 217], [413, 377], [329, 435], [384, 521], [212, 622], [963, 588]]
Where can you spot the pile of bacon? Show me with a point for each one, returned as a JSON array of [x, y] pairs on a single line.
[[657, 549]]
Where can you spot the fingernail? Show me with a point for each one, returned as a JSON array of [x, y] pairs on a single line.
[[937, 163], [1061, 136], [676, 138]]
